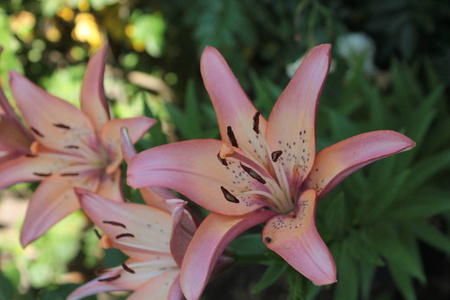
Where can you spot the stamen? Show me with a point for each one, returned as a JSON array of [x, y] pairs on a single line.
[[231, 136], [128, 269], [60, 125], [222, 160], [229, 196], [42, 174], [100, 271], [97, 234], [37, 132], [124, 235], [253, 174], [69, 174], [256, 122], [275, 155], [71, 147], [30, 155], [109, 278], [114, 223]]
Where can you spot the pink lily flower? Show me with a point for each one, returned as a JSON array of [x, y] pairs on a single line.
[[15, 140], [146, 235], [73, 148], [261, 164]]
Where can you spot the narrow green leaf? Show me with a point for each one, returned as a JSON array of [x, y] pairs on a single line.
[[270, 276], [348, 280], [422, 204], [430, 235], [7, 289]]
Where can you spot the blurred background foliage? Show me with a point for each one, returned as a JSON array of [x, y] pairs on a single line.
[[387, 225]]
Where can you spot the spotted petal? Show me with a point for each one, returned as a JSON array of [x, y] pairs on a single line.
[[212, 237], [110, 136], [192, 168], [92, 96], [53, 200], [55, 123], [131, 226], [231, 104], [291, 126], [162, 287], [29, 169], [295, 238], [336, 162], [95, 286]]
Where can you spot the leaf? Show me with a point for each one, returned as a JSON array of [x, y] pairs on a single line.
[[7, 289], [348, 279], [336, 213], [367, 273], [430, 235], [249, 244], [422, 204], [360, 249], [271, 275]]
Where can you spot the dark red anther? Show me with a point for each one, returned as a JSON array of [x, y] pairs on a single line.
[[37, 132], [124, 235], [109, 278], [223, 161], [228, 195], [256, 122], [71, 147], [68, 174], [60, 125], [231, 137], [114, 223], [42, 174], [253, 174], [275, 155], [97, 234], [128, 269]]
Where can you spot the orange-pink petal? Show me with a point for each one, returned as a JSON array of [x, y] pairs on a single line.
[[162, 287], [130, 226], [295, 238], [111, 186], [192, 168], [53, 200], [231, 104], [92, 96], [291, 126], [336, 162], [55, 123], [111, 140], [212, 237]]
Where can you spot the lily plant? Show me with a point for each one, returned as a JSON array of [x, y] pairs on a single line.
[[266, 171], [72, 148], [15, 139]]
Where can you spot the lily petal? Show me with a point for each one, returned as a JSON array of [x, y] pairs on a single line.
[[231, 104], [192, 168], [336, 162], [111, 186], [53, 200], [159, 288], [92, 96], [291, 126], [13, 137], [183, 229], [55, 123], [95, 286], [154, 196], [110, 136], [208, 243], [295, 238], [131, 226], [35, 168]]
